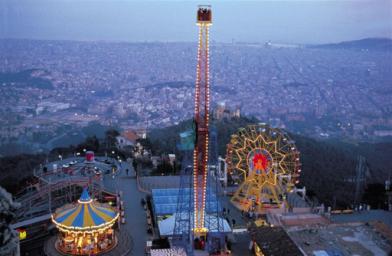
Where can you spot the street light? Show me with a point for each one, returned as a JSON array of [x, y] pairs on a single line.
[[61, 157], [78, 153]]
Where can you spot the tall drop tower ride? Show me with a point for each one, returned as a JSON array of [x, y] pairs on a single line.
[[202, 106]]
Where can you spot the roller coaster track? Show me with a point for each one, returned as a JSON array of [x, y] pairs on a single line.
[[36, 201]]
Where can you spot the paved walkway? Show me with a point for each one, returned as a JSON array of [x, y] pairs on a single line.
[[135, 215], [136, 222], [233, 213]]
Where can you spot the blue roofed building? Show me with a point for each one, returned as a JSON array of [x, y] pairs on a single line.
[[165, 209], [165, 201]]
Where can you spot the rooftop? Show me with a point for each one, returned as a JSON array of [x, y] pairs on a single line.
[[365, 216], [274, 241], [341, 239], [165, 200]]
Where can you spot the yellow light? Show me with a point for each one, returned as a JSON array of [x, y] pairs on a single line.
[[22, 234]]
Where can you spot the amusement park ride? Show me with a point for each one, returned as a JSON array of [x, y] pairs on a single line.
[[202, 107], [265, 162], [198, 210]]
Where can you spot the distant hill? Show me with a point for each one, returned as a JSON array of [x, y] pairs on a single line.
[[381, 44]]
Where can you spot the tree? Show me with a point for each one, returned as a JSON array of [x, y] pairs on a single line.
[[164, 167], [110, 138], [375, 196], [91, 143], [146, 143], [8, 237]]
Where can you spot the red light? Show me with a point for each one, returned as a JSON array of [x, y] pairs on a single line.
[[260, 162]]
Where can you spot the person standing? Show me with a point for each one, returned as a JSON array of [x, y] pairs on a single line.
[[134, 164]]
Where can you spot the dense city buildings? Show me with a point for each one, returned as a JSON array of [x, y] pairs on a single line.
[[313, 91]]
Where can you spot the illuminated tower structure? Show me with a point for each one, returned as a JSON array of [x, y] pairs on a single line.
[[202, 106], [199, 211]]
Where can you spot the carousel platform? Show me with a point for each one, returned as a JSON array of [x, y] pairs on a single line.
[[124, 245]]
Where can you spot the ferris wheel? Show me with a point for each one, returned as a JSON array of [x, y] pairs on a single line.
[[264, 161]]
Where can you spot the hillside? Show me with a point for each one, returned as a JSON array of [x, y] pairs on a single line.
[[326, 165]]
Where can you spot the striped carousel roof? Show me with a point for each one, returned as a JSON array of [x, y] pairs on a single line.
[[85, 215]]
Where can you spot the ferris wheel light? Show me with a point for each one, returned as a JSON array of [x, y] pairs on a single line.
[[275, 178]]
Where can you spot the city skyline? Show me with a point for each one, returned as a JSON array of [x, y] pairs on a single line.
[[303, 22]]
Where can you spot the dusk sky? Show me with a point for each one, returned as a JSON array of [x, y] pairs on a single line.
[[290, 21]]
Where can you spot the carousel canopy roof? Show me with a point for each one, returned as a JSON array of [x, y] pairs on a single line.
[[85, 215], [85, 197]]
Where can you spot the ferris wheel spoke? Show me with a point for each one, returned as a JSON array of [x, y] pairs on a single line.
[[266, 162]]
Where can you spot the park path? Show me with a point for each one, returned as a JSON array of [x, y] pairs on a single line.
[[136, 223], [135, 216]]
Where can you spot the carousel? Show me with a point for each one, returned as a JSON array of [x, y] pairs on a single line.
[[86, 227]]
